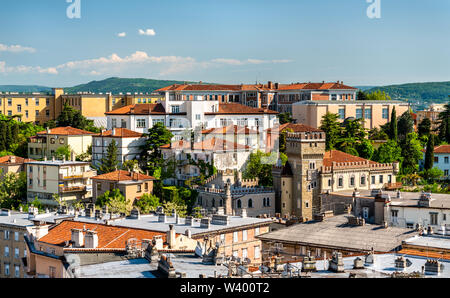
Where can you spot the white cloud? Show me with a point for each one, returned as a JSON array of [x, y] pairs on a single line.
[[137, 62], [148, 32], [16, 49], [122, 34]]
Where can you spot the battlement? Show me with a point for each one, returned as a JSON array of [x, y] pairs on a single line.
[[301, 136], [357, 165]]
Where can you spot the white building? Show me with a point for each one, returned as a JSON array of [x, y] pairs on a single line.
[[441, 159], [128, 145], [183, 116]]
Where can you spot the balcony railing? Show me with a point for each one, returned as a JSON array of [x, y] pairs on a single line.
[[85, 175], [73, 189]]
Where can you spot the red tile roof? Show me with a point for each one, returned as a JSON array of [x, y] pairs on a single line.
[[66, 131], [341, 157], [442, 149], [121, 175], [212, 87], [232, 129], [140, 109], [235, 108], [316, 86], [120, 133], [7, 160], [111, 237], [213, 144]]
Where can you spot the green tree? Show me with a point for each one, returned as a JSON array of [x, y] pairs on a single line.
[[388, 153], [130, 165], [429, 155], [63, 152], [365, 149], [115, 201], [378, 95], [377, 134], [13, 189], [72, 117], [285, 118], [151, 156], [361, 95], [86, 156], [405, 126], [109, 163], [393, 126], [180, 208], [424, 128], [444, 124], [331, 127], [432, 174], [412, 153], [147, 203], [260, 166]]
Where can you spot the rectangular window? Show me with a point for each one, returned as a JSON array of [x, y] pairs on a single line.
[[19, 108], [9, 113], [342, 113], [373, 179], [386, 113], [7, 269], [359, 113], [244, 253], [222, 238], [114, 123], [6, 235], [37, 101], [244, 235], [9, 102], [123, 124], [139, 188], [26, 114], [16, 253], [394, 215], [141, 123], [7, 251], [256, 231], [235, 237], [37, 113], [175, 109], [433, 219], [47, 113], [16, 236], [16, 271], [436, 159], [381, 179], [368, 113], [198, 117], [47, 102], [257, 253], [446, 159]]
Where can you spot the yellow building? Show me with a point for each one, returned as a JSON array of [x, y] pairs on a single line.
[[45, 143]]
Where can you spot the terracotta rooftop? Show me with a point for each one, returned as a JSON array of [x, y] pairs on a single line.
[[140, 109], [8, 160], [120, 133], [111, 237], [316, 86], [123, 176], [213, 144], [341, 157], [219, 87], [295, 128], [442, 149], [232, 129], [65, 131]]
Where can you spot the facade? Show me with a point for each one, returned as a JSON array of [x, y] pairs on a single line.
[[128, 145], [70, 180], [287, 95], [180, 117], [441, 160], [132, 185], [432, 113], [12, 164], [45, 143], [374, 113], [310, 171], [224, 155], [237, 134], [235, 196]]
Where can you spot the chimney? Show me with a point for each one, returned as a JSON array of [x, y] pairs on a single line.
[[277, 85], [188, 233], [205, 223], [162, 218], [270, 85], [189, 221], [77, 238], [48, 130], [244, 213], [12, 159], [171, 237], [113, 132], [91, 239], [135, 214], [45, 158]]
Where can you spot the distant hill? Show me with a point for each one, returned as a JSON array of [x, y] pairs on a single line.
[[117, 85], [419, 94], [24, 88], [365, 88]]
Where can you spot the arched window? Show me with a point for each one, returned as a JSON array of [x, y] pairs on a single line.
[[341, 181], [363, 180], [213, 203], [352, 180], [239, 204], [268, 202], [250, 203], [221, 203]]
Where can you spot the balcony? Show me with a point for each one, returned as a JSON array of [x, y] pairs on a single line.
[[73, 189], [85, 175]]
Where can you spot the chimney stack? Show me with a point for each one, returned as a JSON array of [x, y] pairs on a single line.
[[13, 159], [171, 236], [91, 239], [77, 238]]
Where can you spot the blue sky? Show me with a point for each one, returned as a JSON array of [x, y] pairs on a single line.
[[228, 41]]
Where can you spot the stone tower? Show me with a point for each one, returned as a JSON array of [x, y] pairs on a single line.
[[305, 151]]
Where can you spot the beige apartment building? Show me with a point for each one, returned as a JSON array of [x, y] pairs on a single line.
[[132, 185], [374, 113], [45, 143], [41, 108], [70, 180], [12, 164]]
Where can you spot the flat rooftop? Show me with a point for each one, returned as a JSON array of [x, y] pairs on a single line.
[[383, 267], [151, 222], [409, 199], [21, 219], [432, 241], [336, 233], [57, 163]]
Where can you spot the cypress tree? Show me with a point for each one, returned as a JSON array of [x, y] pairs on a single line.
[[429, 155], [3, 135], [109, 163], [393, 131]]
